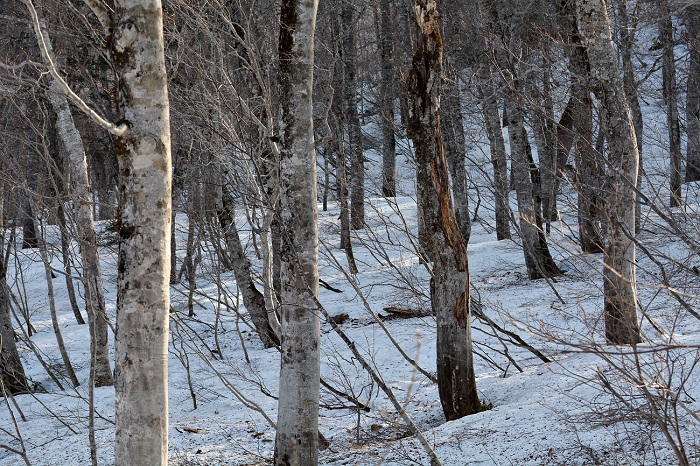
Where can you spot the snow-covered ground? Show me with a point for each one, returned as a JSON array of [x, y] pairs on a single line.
[[541, 413]]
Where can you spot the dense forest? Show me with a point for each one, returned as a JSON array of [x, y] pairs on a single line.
[[349, 232]]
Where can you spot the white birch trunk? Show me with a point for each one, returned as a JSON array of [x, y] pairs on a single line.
[[296, 442], [81, 198], [143, 296]]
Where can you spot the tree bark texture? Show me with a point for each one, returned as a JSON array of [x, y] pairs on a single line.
[[296, 441], [388, 95], [620, 303], [357, 164], [670, 94], [587, 178], [145, 184], [449, 288], [499, 159], [692, 106], [456, 149]]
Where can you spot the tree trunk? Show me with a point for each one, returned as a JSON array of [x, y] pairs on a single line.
[[357, 165], [620, 306], [253, 300], [494, 131], [449, 288], [670, 93], [296, 441], [692, 107], [388, 94], [87, 240], [11, 369], [29, 233], [79, 188], [143, 293], [456, 149], [587, 179], [538, 259], [629, 83]]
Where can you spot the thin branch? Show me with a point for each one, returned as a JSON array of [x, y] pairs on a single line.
[[47, 54]]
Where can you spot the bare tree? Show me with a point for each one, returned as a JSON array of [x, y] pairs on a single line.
[[449, 289], [692, 106], [621, 323], [296, 442]]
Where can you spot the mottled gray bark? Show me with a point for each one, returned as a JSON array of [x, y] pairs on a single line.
[[297, 441], [499, 160], [357, 164], [144, 225], [620, 295], [587, 179], [456, 150], [692, 106], [449, 290], [670, 94]]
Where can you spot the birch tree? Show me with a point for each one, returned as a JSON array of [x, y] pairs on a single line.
[[81, 204], [620, 294], [296, 441]]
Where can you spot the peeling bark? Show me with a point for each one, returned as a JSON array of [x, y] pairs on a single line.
[[449, 290]]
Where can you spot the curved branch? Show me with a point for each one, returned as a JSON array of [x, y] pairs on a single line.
[[47, 54]]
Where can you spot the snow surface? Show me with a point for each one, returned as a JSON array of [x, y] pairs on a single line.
[[555, 413]]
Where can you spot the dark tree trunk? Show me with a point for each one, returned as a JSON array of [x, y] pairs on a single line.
[[494, 131], [456, 148], [449, 290], [692, 106], [357, 165], [388, 94], [670, 93], [253, 300]]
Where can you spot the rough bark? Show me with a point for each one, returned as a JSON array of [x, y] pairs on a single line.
[[297, 441], [587, 179], [388, 95], [670, 94], [620, 296], [357, 164], [449, 288], [144, 225], [692, 106], [499, 160], [456, 149]]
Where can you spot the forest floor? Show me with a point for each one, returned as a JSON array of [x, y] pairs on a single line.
[[561, 412]]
